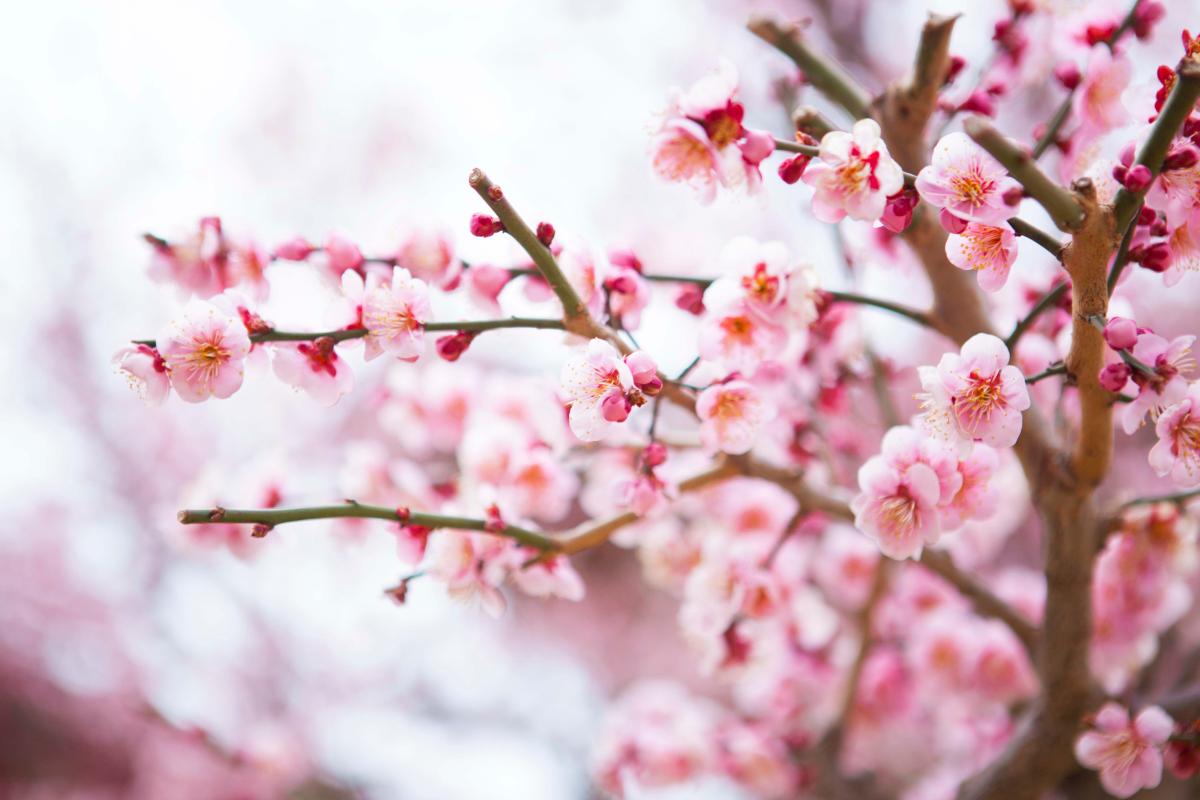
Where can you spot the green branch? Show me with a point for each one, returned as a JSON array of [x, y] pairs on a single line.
[[826, 76], [270, 517]]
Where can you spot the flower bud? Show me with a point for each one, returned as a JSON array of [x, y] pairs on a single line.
[[483, 225], [1068, 75], [980, 102], [297, 249], [690, 298], [545, 233], [954, 69], [615, 407], [792, 169], [1114, 376], [655, 454], [1182, 157], [1147, 13], [343, 254], [626, 258], [1155, 257], [1138, 178], [641, 366], [1121, 333], [452, 346], [1013, 196]]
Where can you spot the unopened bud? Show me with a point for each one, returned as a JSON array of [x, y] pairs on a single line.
[[452, 346], [1114, 376], [1068, 75], [1121, 333], [484, 226], [951, 223], [545, 233]]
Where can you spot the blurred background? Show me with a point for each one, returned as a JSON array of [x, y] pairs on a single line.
[[134, 663]]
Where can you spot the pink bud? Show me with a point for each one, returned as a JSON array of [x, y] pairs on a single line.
[[1121, 333], [1013, 196], [1156, 257], [954, 68], [651, 387], [484, 226], [1114, 376], [297, 249], [654, 455], [1126, 155], [980, 102], [452, 346], [621, 284], [343, 254], [1147, 13], [1068, 75], [615, 408], [626, 258], [690, 298], [898, 213], [1182, 157], [951, 223], [1139, 178], [756, 146], [545, 233], [1147, 216], [494, 522], [1120, 172], [792, 169], [641, 366]]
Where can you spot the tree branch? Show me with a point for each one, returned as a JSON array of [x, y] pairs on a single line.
[[1048, 301], [986, 604], [825, 75], [905, 108], [270, 517]]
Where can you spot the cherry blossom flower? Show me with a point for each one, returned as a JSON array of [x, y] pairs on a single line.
[[731, 415], [1171, 362], [763, 277], [967, 182], [430, 257], [1097, 102], [1177, 452], [550, 577], [395, 314], [205, 352], [735, 337], [987, 249], [853, 175], [974, 395], [600, 389], [898, 498], [702, 142], [314, 367], [146, 372], [1127, 754], [464, 562]]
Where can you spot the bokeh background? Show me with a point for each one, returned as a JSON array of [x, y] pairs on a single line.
[[133, 664]]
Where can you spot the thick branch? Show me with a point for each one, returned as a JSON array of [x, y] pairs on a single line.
[[271, 517], [825, 75], [1057, 201], [905, 108]]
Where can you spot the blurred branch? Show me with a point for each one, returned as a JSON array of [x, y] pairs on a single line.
[[344, 334], [1047, 301], [824, 74]]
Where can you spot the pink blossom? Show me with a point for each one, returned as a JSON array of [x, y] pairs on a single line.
[[1097, 102], [898, 497], [146, 372], [395, 315], [976, 496], [484, 284], [205, 352], [1171, 362], [464, 561], [974, 395], [314, 367], [1120, 333], [731, 415], [967, 182], [628, 295], [342, 254], [763, 277], [1127, 754], [988, 250], [551, 577], [734, 336], [702, 142], [853, 175], [537, 484], [430, 257], [598, 386], [1177, 452]]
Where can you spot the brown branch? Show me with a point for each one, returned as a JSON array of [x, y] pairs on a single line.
[[1057, 201], [809, 120], [905, 108], [825, 75]]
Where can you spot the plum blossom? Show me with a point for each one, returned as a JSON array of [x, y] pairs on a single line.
[[1127, 754], [1171, 362], [989, 250], [315, 367], [731, 415], [899, 491], [466, 563], [204, 351], [702, 141], [395, 314], [763, 276], [430, 257], [1177, 452], [602, 388], [975, 395], [853, 175], [1097, 102], [146, 372], [734, 336], [967, 182]]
